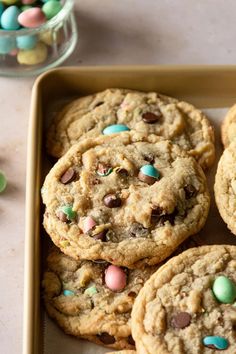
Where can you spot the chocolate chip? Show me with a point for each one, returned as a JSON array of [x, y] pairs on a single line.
[[100, 236], [62, 216], [159, 216], [150, 158], [138, 230], [100, 261], [98, 104], [146, 179], [112, 201], [131, 340], [151, 118], [190, 191], [181, 320], [122, 172], [111, 236], [106, 338], [68, 176], [96, 181], [132, 294]]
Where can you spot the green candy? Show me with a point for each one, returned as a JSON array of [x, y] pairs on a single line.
[[104, 173], [224, 290], [3, 182], [92, 290], [25, 7], [70, 213], [51, 8]]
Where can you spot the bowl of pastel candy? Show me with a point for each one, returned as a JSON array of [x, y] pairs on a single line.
[[35, 35]]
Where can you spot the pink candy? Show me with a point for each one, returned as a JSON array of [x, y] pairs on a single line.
[[27, 2], [88, 224], [115, 278], [32, 18]]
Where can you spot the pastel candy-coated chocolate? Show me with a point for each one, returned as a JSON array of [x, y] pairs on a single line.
[[3, 182], [88, 224], [92, 290], [219, 343], [70, 213], [25, 7], [33, 56], [9, 2], [28, 2], [26, 42], [9, 18], [7, 44], [47, 37], [14, 52], [51, 8], [150, 170], [115, 128], [224, 290], [68, 293], [115, 278], [32, 18]]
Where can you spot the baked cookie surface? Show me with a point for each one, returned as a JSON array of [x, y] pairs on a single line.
[[123, 352], [187, 306], [225, 186], [228, 128], [149, 113], [77, 296], [123, 200]]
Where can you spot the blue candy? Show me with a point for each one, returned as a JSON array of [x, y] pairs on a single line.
[[68, 293], [26, 42], [7, 44], [150, 170], [9, 18], [218, 342], [115, 128]]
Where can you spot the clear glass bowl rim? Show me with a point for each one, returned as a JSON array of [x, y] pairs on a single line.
[[65, 11]]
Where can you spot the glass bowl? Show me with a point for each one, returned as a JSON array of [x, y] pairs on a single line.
[[53, 42]]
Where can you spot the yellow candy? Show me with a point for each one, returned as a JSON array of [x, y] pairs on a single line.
[[9, 2], [48, 37], [33, 56]]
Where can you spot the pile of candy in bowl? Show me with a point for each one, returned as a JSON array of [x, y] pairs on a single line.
[[35, 35]]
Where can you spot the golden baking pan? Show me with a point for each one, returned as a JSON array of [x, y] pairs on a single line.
[[204, 86]]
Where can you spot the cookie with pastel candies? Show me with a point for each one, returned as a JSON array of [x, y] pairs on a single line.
[[116, 110], [92, 300], [133, 198], [188, 305]]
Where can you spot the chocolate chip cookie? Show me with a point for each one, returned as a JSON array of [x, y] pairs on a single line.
[[149, 113], [188, 305], [225, 186], [228, 128], [127, 201], [90, 300]]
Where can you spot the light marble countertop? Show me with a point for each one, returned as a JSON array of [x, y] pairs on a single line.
[[110, 32]]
